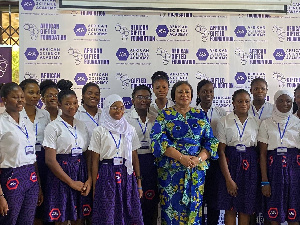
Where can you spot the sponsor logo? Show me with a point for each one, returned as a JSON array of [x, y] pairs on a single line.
[[54, 214], [31, 53], [12, 184], [80, 79], [118, 177], [28, 4], [33, 177]]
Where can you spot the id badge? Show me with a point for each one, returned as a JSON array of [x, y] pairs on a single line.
[[29, 150], [145, 144], [38, 147], [76, 151], [118, 161], [281, 151], [240, 148]]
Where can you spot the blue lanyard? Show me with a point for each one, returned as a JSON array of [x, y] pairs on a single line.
[[211, 112], [26, 132], [36, 129], [281, 136], [74, 135], [117, 145], [262, 109], [241, 134], [92, 118], [144, 131]]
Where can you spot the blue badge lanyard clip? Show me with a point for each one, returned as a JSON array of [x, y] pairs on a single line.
[[25, 133], [74, 135], [92, 118], [241, 134], [143, 131], [117, 145], [282, 135], [254, 114]]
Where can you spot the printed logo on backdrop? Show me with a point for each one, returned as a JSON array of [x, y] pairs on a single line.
[[243, 33], [177, 15], [201, 76], [33, 30], [133, 56], [124, 31], [3, 65], [50, 32], [214, 33], [164, 54], [179, 56], [293, 8], [140, 33], [91, 13], [244, 79], [287, 56], [255, 56], [171, 31], [54, 76], [90, 30], [283, 81], [178, 76], [90, 56], [218, 82], [212, 56], [290, 34], [203, 31], [131, 83], [43, 55], [280, 32], [29, 5], [97, 78]]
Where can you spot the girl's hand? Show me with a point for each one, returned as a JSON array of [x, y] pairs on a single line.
[[266, 190], [140, 192], [3, 206], [86, 188], [231, 188], [77, 185], [40, 198]]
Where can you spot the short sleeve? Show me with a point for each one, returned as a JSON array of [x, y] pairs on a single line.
[[50, 137], [222, 112], [263, 133], [95, 143], [209, 142], [220, 132], [136, 144]]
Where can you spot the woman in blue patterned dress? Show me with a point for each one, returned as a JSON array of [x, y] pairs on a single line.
[[182, 141]]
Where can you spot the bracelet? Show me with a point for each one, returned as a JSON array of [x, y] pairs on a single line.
[[180, 157], [140, 188], [2, 195], [264, 183], [200, 159], [139, 177]]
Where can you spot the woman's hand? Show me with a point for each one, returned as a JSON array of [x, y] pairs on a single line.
[[40, 197], [231, 187], [3, 206], [187, 161], [77, 185], [195, 160], [266, 190], [86, 188]]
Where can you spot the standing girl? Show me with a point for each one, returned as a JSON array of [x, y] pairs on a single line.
[[205, 96], [19, 186], [279, 144], [237, 186], [117, 193], [69, 181]]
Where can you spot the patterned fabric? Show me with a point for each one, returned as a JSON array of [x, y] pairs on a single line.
[[283, 175], [20, 187], [181, 189]]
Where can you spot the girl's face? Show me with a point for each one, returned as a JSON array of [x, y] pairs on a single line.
[[259, 90], [141, 100], [284, 103], [15, 100], [297, 98], [116, 110], [160, 88], [69, 105], [241, 103], [206, 94], [91, 97], [50, 98], [32, 94]]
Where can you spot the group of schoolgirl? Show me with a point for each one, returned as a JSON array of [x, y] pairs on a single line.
[[44, 159]]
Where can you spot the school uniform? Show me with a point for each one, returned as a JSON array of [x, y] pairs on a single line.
[[148, 168], [263, 113], [17, 174], [283, 168], [154, 110], [90, 121], [241, 156], [61, 201]]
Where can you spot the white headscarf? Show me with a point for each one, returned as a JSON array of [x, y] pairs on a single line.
[[278, 116], [118, 127]]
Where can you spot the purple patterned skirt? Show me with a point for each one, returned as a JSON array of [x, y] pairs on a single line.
[[284, 178], [243, 168], [116, 198], [61, 201]]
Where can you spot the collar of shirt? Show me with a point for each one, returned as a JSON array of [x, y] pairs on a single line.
[[82, 109], [135, 115], [10, 119], [39, 114]]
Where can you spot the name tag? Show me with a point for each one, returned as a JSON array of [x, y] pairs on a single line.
[[281, 151], [118, 161], [76, 151], [240, 148], [29, 149], [145, 144], [38, 147]]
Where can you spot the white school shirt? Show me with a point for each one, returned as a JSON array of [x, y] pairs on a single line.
[[142, 129], [269, 133], [228, 133], [103, 143], [263, 113], [41, 120], [154, 110], [59, 137], [214, 115], [13, 142], [83, 116]]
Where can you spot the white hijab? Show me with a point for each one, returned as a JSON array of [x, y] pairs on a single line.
[[118, 127], [278, 116]]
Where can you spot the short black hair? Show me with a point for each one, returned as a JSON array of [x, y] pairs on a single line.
[[239, 91], [297, 89], [176, 85], [24, 83], [258, 79], [7, 88], [86, 86], [65, 89], [160, 75], [199, 86], [45, 85], [141, 87]]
